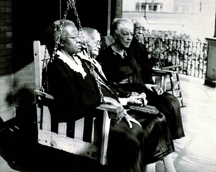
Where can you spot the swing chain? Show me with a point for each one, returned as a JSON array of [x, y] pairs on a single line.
[[91, 67], [70, 4]]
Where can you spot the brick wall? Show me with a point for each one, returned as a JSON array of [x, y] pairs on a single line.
[[118, 10], [21, 22], [6, 67], [5, 37], [16, 72]]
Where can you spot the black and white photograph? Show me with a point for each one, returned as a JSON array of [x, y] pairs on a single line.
[[108, 85]]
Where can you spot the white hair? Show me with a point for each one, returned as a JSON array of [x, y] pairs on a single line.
[[140, 20], [119, 22], [89, 33]]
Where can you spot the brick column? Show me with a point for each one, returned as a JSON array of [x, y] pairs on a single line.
[[114, 11], [118, 9], [210, 78], [6, 67], [5, 37]]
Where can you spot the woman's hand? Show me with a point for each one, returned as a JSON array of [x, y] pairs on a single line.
[[138, 99], [112, 101], [135, 100], [149, 86], [143, 97], [154, 88], [130, 119], [121, 112]]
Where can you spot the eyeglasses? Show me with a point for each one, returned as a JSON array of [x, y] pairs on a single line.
[[97, 43], [140, 29]]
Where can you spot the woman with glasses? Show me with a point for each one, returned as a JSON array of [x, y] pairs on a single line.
[[155, 144], [166, 103]]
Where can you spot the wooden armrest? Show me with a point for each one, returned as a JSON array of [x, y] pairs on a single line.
[[109, 108], [172, 67], [161, 72], [43, 94]]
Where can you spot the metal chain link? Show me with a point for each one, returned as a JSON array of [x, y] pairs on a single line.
[[92, 71], [72, 4], [57, 42]]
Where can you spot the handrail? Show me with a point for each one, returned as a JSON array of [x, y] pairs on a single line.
[[171, 67]]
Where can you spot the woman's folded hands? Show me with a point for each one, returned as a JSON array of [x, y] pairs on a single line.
[[134, 99], [122, 113]]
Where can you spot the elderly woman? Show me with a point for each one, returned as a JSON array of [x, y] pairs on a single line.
[[157, 141], [126, 65], [166, 102]]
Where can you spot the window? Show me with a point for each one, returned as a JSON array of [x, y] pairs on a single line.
[[137, 6], [150, 7], [155, 8], [143, 7]]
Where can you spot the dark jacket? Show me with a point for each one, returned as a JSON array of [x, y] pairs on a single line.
[[74, 96], [141, 55]]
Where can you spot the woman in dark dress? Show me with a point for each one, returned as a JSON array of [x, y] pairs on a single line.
[[151, 150], [126, 64], [74, 81], [166, 102]]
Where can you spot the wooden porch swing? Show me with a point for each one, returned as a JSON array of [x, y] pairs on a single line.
[[96, 146]]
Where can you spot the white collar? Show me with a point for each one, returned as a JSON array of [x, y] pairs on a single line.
[[75, 64]]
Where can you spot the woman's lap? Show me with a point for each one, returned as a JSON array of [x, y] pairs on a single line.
[[158, 140], [170, 107], [124, 145], [140, 145]]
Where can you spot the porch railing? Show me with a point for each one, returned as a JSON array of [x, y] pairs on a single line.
[[192, 56]]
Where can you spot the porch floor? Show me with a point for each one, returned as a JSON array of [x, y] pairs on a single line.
[[194, 153]]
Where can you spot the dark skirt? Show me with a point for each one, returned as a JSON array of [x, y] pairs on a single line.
[[170, 107], [131, 149], [165, 103]]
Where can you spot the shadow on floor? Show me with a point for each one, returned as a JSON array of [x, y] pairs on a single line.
[[19, 148], [22, 154]]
